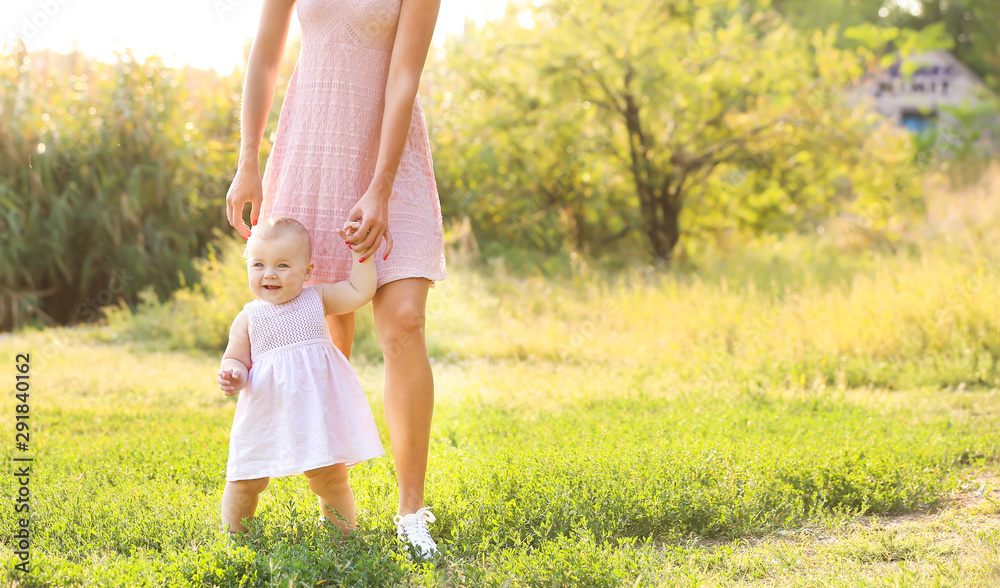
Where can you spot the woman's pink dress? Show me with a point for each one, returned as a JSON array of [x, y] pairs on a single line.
[[327, 143]]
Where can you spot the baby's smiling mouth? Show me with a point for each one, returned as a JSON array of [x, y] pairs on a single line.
[[271, 287]]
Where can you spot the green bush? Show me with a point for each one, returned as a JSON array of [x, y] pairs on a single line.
[[196, 316], [109, 184], [113, 178]]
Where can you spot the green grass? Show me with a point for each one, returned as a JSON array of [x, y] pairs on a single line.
[[632, 429]]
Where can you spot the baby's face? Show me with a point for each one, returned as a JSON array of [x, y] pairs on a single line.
[[277, 267]]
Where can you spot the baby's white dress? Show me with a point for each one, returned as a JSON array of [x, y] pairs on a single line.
[[303, 407]]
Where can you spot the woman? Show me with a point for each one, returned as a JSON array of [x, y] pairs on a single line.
[[352, 147]]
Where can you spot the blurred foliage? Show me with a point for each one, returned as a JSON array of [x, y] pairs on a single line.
[[643, 129], [112, 180], [924, 315], [973, 144], [196, 316], [615, 125], [974, 25], [108, 183]]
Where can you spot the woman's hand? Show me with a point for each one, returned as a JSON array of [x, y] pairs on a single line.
[[372, 211], [246, 187]]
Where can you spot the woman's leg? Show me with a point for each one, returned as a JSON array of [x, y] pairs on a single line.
[[342, 331], [239, 500], [336, 499], [409, 384]]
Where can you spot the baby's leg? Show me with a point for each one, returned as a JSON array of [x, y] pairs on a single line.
[[239, 500], [335, 496]]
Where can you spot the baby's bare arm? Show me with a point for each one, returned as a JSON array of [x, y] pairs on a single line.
[[235, 366], [353, 293]]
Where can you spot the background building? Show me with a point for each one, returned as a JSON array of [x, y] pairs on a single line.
[[920, 101]]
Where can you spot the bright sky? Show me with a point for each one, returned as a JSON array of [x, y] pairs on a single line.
[[203, 33]]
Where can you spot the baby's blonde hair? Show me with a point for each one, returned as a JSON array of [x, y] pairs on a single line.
[[279, 227]]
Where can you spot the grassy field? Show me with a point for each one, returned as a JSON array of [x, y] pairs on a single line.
[[790, 416]]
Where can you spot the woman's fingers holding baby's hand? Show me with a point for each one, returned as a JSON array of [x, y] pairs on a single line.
[[369, 242], [348, 231]]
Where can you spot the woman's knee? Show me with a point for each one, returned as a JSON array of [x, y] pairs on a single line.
[[405, 315], [400, 325]]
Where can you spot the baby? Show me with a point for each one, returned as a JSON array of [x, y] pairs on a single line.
[[302, 409]]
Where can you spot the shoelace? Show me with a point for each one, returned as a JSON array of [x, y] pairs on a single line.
[[414, 526]]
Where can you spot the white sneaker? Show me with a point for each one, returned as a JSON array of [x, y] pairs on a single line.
[[412, 530]]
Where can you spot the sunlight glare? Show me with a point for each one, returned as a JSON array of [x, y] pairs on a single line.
[[205, 34]]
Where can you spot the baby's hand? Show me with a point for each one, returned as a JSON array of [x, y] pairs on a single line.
[[346, 232], [232, 380], [349, 229]]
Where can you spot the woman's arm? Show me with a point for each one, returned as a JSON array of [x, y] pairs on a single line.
[[258, 94], [409, 53], [262, 76]]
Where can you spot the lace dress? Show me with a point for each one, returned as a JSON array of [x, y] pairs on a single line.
[[302, 407], [327, 140]]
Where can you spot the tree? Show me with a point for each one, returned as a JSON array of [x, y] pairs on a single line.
[[644, 120]]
